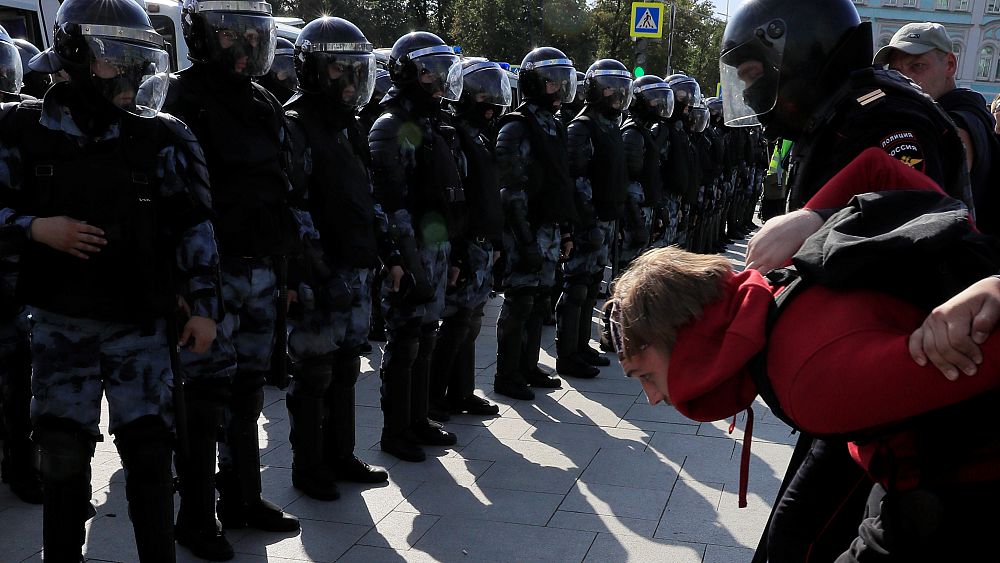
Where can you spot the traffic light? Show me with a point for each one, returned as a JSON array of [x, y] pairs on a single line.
[[639, 71]]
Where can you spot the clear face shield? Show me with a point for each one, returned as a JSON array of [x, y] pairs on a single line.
[[439, 71], [614, 88], [11, 73], [559, 78], [698, 119], [750, 78], [687, 94], [487, 83], [282, 71], [241, 43], [659, 98], [348, 78], [133, 77]]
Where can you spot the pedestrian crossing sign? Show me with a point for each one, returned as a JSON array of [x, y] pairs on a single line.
[[647, 20]]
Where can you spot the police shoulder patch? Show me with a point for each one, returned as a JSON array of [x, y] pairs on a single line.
[[903, 145]]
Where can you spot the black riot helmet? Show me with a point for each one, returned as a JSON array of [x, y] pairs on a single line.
[[687, 93], [237, 37], [35, 83], [423, 66], [485, 95], [781, 58], [697, 118], [334, 58], [280, 79], [715, 111], [11, 73], [547, 78], [382, 85], [652, 99], [112, 54], [607, 86]]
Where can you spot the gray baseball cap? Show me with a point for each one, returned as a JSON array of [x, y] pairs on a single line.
[[915, 39]]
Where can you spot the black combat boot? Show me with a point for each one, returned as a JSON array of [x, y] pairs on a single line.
[[306, 408], [396, 390], [339, 433], [144, 446], [514, 315]]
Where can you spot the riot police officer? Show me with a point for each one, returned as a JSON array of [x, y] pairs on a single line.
[[646, 144], [485, 95], [680, 171], [17, 468], [373, 109], [281, 79], [803, 71], [697, 123], [35, 83], [537, 194], [336, 76], [241, 128], [419, 187], [597, 164], [109, 200]]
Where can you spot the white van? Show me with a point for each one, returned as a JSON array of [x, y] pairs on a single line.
[[33, 20], [29, 19]]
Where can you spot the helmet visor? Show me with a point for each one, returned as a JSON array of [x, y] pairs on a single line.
[[348, 78], [687, 93], [614, 87], [750, 81], [11, 73], [132, 77], [440, 74], [659, 98], [698, 119], [560, 81], [241, 43], [487, 83], [282, 71]]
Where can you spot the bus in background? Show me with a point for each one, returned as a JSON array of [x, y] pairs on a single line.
[[29, 19]]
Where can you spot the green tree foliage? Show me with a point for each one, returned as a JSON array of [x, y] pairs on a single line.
[[504, 30]]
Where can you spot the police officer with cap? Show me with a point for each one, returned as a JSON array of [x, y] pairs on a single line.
[[538, 197], [280, 79], [109, 200], [597, 165], [336, 76], [485, 95], [241, 127], [646, 144], [803, 71], [418, 184]]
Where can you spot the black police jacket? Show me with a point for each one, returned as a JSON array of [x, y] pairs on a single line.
[[242, 131], [112, 184], [970, 112], [332, 155], [680, 169], [877, 108], [482, 187], [544, 173]]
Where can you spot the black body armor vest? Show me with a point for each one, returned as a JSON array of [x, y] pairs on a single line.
[[482, 188], [108, 184], [650, 176], [243, 136], [608, 175], [340, 197]]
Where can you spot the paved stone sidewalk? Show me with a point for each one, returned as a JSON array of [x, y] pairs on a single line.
[[589, 472]]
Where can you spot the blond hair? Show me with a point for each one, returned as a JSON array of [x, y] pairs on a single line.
[[663, 290]]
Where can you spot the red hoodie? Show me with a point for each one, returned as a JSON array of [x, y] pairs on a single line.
[[838, 360]]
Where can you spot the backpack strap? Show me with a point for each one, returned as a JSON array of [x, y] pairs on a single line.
[[793, 285]]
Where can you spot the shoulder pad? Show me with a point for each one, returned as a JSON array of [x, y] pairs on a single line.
[[386, 126], [187, 143], [510, 117]]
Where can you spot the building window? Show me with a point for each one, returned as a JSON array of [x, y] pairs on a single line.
[[956, 48], [993, 6], [941, 5], [961, 6], [888, 2], [985, 63]]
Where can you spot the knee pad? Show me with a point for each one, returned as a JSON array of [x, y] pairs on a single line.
[[248, 383], [145, 447], [574, 296], [65, 449], [312, 377], [346, 370], [215, 390]]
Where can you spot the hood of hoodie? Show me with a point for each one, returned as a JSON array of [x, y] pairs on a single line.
[[708, 378]]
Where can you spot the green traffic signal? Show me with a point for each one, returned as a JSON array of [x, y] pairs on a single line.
[[639, 71]]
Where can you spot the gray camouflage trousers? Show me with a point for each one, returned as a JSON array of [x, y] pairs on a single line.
[[75, 360], [547, 237], [321, 332]]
